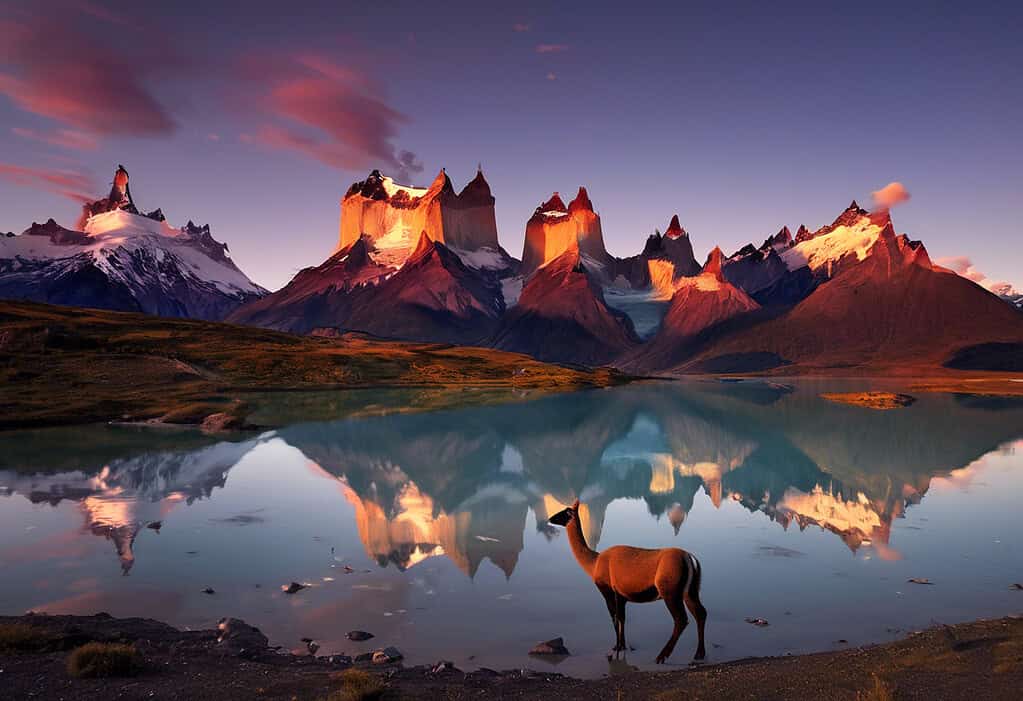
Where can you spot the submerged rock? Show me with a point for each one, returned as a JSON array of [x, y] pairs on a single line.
[[556, 646], [358, 635]]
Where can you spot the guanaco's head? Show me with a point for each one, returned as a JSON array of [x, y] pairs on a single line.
[[565, 516]]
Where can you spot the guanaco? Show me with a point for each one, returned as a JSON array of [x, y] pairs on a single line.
[[624, 574]]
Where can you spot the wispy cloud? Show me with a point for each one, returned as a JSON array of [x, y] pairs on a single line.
[[520, 27], [552, 76], [68, 183], [329, 112], [551, 48], [55, 69], [965, 267], [65, 138]]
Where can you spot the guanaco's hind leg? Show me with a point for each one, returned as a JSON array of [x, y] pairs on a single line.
[[620, 610], [695, 606], [700, 614], [673, 600]]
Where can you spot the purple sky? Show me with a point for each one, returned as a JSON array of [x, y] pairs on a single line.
[[741, 119]]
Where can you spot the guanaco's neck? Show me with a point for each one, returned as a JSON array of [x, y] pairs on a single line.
[[584, 555]]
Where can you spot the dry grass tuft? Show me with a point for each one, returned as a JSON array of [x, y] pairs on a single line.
[[104, 660], [21, 637], [357, 685]]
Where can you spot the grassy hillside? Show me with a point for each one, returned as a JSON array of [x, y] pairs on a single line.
[[63, 365]]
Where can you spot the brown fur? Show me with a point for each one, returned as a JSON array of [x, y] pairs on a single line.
[[623, 574]]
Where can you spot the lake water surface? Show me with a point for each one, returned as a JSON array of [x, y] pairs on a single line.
[[430, 530]]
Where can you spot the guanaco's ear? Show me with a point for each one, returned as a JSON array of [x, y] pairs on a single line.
[[575, 505], [562, 517]]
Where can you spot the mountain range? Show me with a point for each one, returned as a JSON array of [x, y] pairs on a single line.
[[425, 264]]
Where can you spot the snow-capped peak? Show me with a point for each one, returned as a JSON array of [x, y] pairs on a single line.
[[125, 260], [853, 235]]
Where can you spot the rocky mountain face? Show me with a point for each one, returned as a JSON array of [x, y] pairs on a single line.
[[699, 304], [393, 216], [851, 293], [127, 261], [561, 316], [665, 258], [434, 296], [555, 229], [884, 305]]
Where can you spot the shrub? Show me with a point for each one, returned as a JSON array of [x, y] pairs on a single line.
[[103, 660]]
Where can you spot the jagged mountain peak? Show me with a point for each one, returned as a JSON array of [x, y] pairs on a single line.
[[424, 247], [851, 214], [554, 204], [119, 198], [477, 190], [395, 215], [675, 229], [783, 239], [440, 184], [581, 202], [748, 250], [713, 264]]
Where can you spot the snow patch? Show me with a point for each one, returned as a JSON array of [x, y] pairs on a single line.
[[511, 289], [484, 258], [119, 240], [705, 282], [392, 188], [822, 251]]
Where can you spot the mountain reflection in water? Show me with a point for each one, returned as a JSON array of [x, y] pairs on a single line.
[[472, 484]]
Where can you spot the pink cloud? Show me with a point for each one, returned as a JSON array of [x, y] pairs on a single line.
[[551, 48], [65, 138], [67, 183], [552, 76], [520, 27], [331, 113], [963, 266], [892, 194], [56, 69]]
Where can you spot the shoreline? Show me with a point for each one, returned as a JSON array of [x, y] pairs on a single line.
[[978, 659]]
